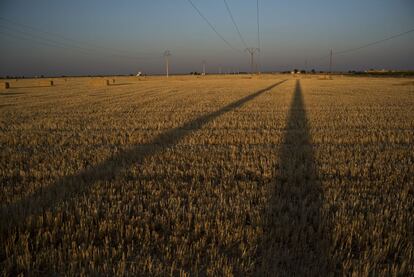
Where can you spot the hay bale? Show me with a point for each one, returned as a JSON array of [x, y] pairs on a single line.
[[5, 85], [45, 83], [100, 82]]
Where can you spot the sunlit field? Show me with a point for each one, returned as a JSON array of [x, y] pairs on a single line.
[[269, 175]]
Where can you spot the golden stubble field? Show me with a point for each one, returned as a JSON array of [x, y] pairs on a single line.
[[269, 176]]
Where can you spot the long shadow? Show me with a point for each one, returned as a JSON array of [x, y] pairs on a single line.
[[76, 185], [10, 93], [296, 239], [33, 87], [120, 84], [6, 105]]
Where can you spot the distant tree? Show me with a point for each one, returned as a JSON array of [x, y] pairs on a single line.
[[313, 71]]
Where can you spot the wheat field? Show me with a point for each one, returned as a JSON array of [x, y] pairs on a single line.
[[269, 175]]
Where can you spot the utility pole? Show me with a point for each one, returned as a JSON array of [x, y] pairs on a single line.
[[251, 51], [330, 63], [167, 55], [204, 67], [258, 39]]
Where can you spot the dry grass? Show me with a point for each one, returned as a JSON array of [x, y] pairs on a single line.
[[208, 176]]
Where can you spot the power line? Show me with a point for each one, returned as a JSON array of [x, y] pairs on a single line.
[[346, 51], [258, 26], [87, 55], [212, 27], [25, 36], [50, 42], [18, 37], [373, 43], [258, 35], [64, 37], [73, 42], [235, 25]]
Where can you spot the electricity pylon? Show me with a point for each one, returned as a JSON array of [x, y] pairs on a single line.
[[167, 55], [330, 63], [252, 51], [204, 67]]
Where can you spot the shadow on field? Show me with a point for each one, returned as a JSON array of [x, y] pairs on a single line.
[[32, 87], [10, 93], [77, 185], [6, 105], [120, 84], [296, 235]]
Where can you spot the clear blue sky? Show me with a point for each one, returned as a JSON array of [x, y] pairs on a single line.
[[60, 37]]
